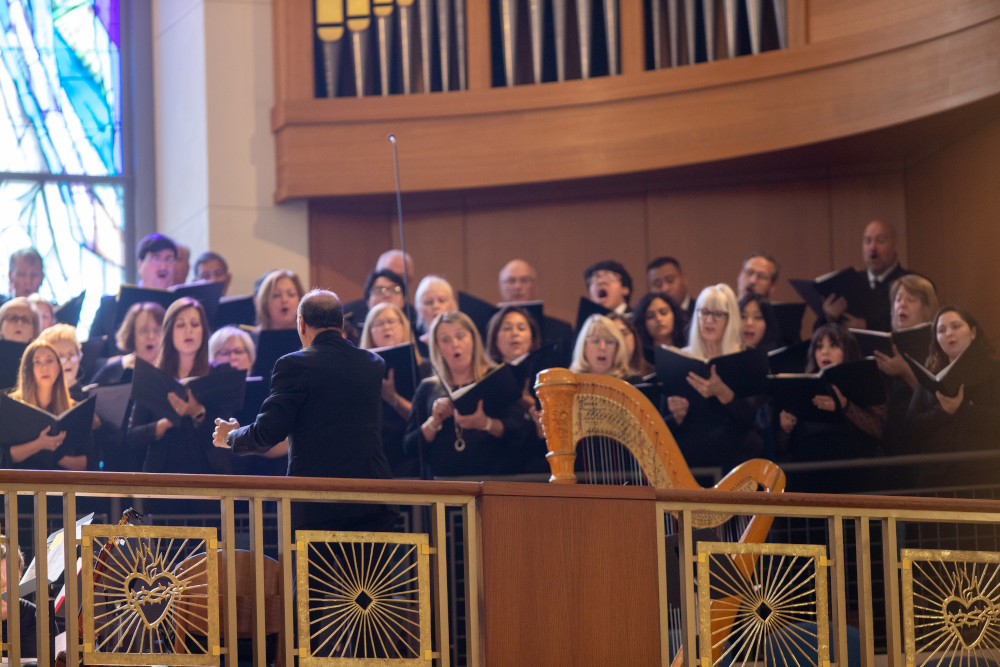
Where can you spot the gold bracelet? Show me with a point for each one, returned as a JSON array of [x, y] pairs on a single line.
[[434, 427]]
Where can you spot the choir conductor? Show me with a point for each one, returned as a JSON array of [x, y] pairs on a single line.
[[326, 398]]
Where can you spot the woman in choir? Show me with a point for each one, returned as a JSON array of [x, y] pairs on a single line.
[[970, 419], [385, 326], [712, 430], [601, 349], [758, 326], [479, 443], [512, 334], [858, 435], [18, 321], [385, 286], [913, 301], [277, 300], [139, 337], [658, 320], [234, 346], [62, 337], [184, 447], [45, 310], [41, 383], [434, 295], [638, 365]]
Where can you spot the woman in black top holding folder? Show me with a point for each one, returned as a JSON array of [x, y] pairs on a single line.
[[387, 326], [858, 434], [914, 302], [711, 426], [454, 444], [970, 419], [184, 447], [41, 383]]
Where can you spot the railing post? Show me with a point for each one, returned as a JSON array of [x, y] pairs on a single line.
[[862, 528], [633, 37], [43, 623], [259, 605], [71, 604], [472, 540], [838, 590], [285, 559], [229, 600], [689, 619], [13, 578], [890, 565], [439, 533]]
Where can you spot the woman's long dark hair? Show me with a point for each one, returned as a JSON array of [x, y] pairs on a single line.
[[839, 337], [493, 329], [772, 332], [639, 319], [168, 360], [936, 357]]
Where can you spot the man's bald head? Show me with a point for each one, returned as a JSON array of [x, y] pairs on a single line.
[[395, 261], [321, 309], [518, 281], [878, 246]]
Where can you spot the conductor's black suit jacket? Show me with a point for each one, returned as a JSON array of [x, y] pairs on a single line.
[[327, 400]]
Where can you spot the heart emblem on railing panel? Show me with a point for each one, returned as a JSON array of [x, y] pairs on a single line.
[[968, 619], [152, 595]]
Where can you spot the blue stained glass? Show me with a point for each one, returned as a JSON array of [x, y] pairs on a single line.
[[60, 114]]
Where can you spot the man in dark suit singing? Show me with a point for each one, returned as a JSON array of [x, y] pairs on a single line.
[[326, 399]]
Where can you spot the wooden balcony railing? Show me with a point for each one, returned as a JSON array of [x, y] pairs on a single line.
[[540, 573]]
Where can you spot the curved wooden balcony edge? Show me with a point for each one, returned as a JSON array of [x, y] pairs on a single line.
[[639, 122], [93, 483]]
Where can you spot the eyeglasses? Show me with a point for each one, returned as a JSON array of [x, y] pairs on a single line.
[[70, 359], [392, 290], [706, 314], [232, 352], [15, 318], [604, 277], [386, 323]]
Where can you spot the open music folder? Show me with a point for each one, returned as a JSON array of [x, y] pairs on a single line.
[[859, 381], [497, 389], [970, 368], [744, 372], [23, 423], [223, 389]]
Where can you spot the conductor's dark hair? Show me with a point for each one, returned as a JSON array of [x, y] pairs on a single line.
[[321, 309]]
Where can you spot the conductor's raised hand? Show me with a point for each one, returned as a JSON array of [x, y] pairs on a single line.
[[223, 427]]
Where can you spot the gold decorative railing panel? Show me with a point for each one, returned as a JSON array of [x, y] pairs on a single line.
[[951, 606], [759, 602], [363, 597], [136, 595]]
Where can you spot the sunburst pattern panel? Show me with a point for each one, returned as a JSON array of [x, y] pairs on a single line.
[[762, 604], [363, 597]]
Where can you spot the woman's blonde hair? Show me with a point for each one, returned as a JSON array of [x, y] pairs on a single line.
[[716, 297], [599, 325], [480, 363], [21, 302], [425, 284], [61, 333], [220, 337], [27, 388], [264, 292]]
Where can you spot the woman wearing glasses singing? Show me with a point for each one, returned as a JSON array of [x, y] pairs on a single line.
[[711, 428], [18, 322]]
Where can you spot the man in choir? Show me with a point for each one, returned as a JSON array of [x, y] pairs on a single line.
[[610, 285], [211, 266], [26, 273], [182, 266], [519, 283], [878, 249], [327, 400], [758, 276], [157, 255], [395, 262], [664, 274]]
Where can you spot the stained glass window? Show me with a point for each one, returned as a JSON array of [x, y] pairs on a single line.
[[61, 177]]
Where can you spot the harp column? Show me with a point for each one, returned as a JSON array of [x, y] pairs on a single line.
[[215, 165]]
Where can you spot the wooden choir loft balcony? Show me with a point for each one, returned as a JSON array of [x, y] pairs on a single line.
[[496, 93]]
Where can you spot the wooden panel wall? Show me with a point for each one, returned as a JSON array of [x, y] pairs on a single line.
[[811, 222], [953, 210]]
